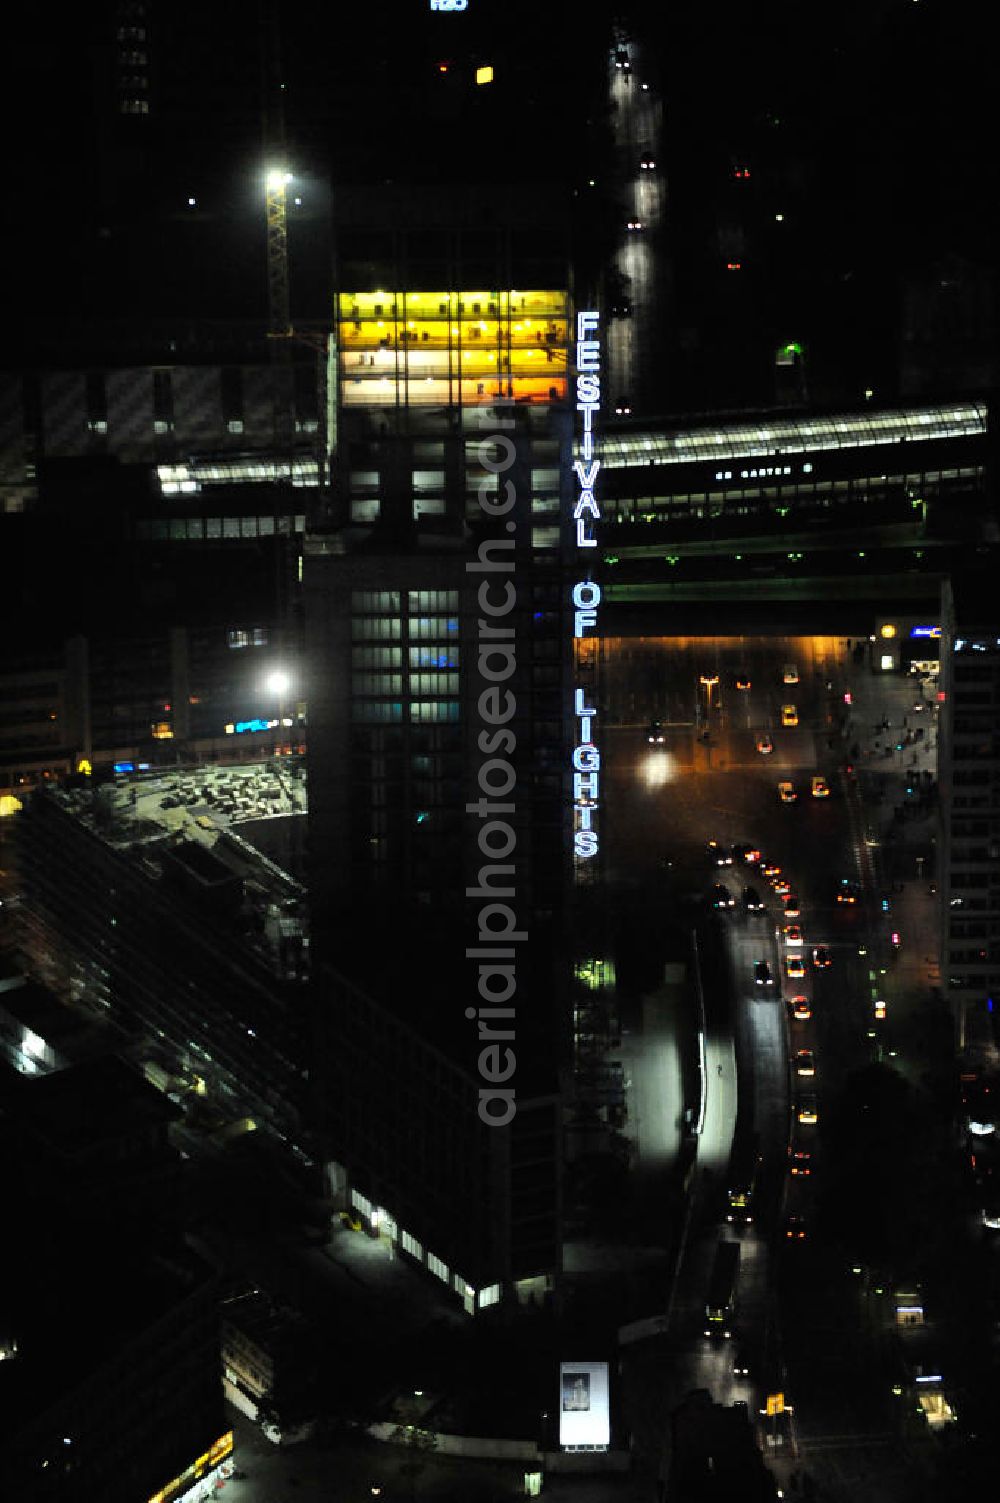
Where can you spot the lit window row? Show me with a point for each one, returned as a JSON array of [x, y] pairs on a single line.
[[430, 391], [177, 478], [212, 529], [496, 304], [446, 354], [374, 600], [740, 441], [432, 600], [423, 712]]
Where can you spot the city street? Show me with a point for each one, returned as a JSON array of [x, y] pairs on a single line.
[[662, 803]]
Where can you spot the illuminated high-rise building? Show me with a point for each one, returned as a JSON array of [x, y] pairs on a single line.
[[439, 638]]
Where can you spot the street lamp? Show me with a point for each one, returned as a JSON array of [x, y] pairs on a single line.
[[278, 683]]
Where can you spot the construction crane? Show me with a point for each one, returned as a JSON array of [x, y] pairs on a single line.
[[279, 313], [281, 333]]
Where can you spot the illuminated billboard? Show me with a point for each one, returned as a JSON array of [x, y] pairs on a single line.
[[583, 1406]]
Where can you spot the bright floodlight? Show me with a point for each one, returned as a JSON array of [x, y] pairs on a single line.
[[278, 682], [277, 178]]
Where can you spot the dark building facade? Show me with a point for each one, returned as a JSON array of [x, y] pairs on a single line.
[[969, 770]]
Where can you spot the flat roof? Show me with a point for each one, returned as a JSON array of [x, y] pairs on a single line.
[[86, 1104]]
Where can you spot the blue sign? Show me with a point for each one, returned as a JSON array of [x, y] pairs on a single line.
[[925, 631], [124, 767]]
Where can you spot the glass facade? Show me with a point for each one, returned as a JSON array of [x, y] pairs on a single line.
[[467, 348]]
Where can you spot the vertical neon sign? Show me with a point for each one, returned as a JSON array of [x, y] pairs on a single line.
[[586, 593]]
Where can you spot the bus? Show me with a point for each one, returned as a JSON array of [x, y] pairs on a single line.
[[744, 1166], [720, 1307]]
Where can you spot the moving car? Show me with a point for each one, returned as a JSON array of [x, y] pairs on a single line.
[[805, 1062], [821, 958], [791, 902], [752, 901], [789, 715], [720, 854], [742, 681], [794, 967], [762, 973], [807, 1110], [722, 897], [741, 1363], [786, 792], [765, 744], [770, 869], [800, 1008], [790, 674], [820, 787], [655, 734], [795, 1228], [848, 892], [782, 887], [793, 936], [748, 854], [799, 1162]]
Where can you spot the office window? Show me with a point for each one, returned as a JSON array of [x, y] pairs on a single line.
[[428, 506], [374, 600], [433, 683], [376, 657], [412, 1246], [373, 711], [434, 657], [432, 600], [428, 711], [376, 683], [375, 629], [238, 638], [428, 628], [435, 1265], [428, 480], [365, 509]]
